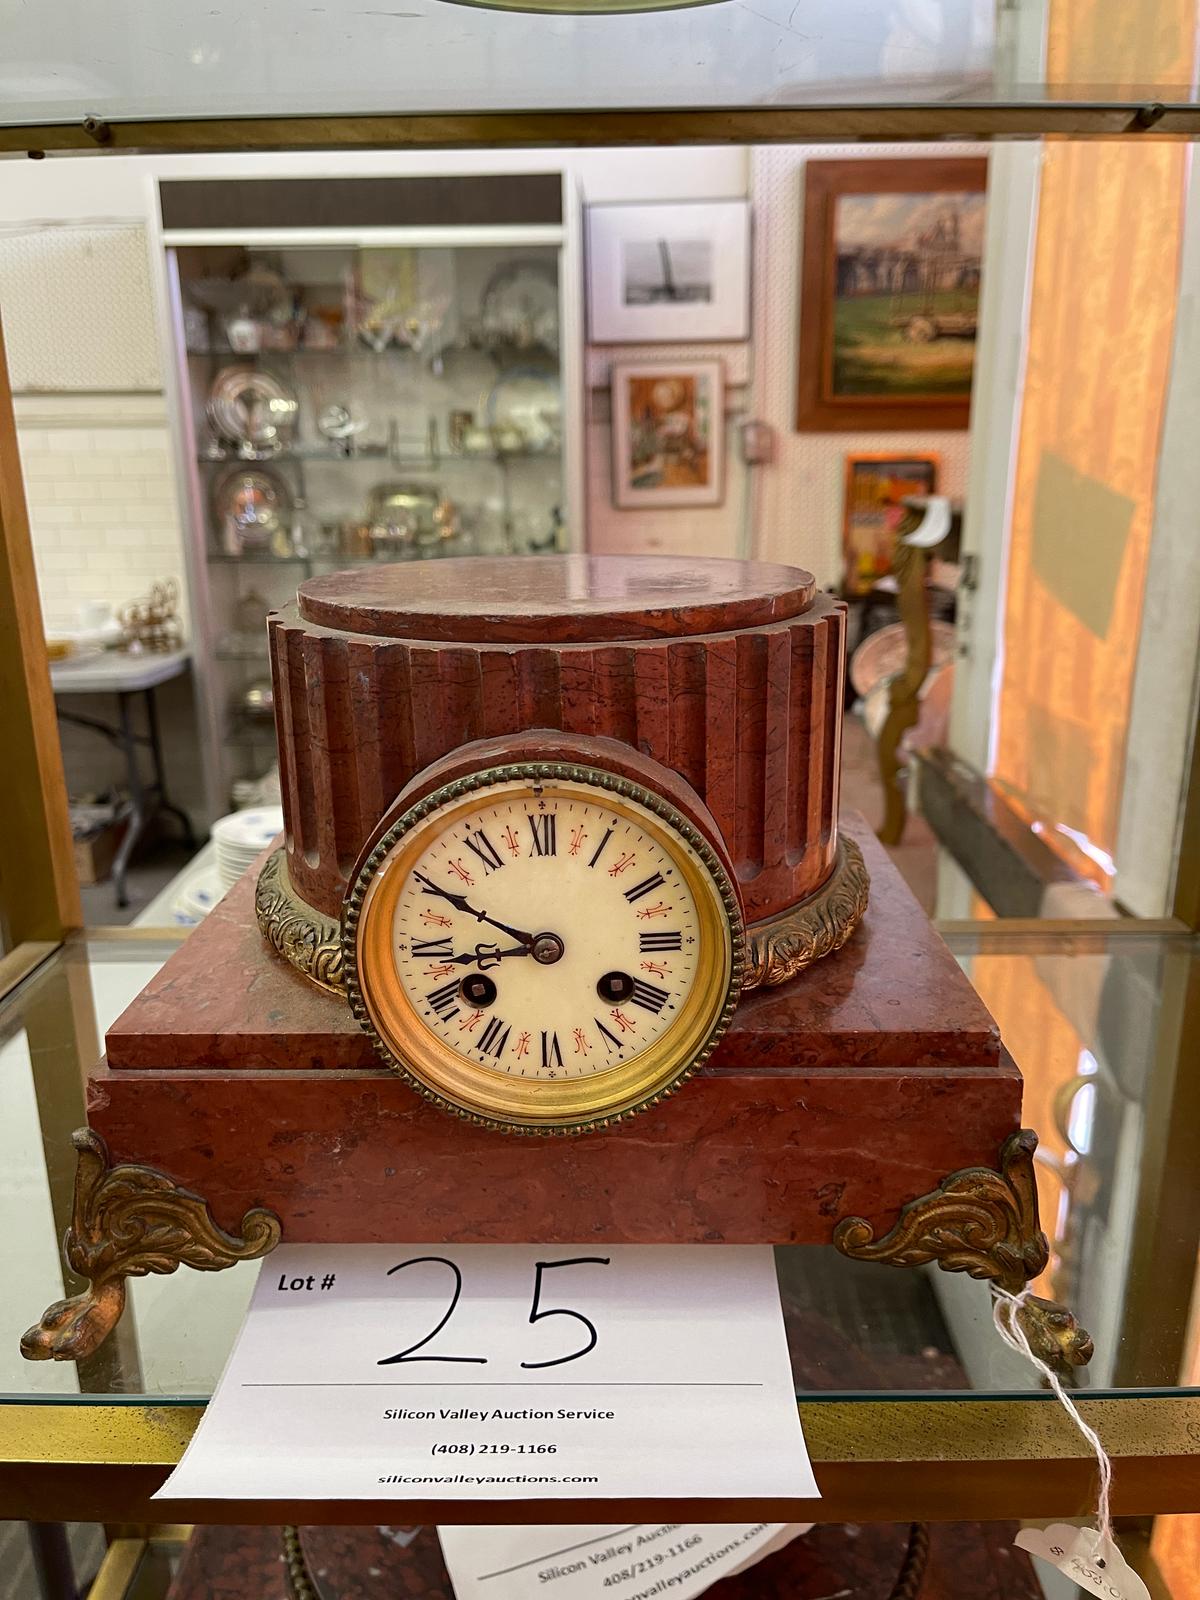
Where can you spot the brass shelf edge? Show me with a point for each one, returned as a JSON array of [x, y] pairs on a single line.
[[18, 964], [103, 1462], [860, 1431], [1083, 118]]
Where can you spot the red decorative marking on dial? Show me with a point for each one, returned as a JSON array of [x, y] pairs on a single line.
[[459, 871], [440, 971], [582, 1047], [658, 909], [626, 1024], [511, 840], [434, 919], [523, 1043], [659, 969], [618, 867], [468, 1023], [578, 835]]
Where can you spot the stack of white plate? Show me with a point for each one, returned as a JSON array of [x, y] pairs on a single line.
[[197, 897], [241, 836]]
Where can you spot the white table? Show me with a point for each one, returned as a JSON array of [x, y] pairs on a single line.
[[127, 676]]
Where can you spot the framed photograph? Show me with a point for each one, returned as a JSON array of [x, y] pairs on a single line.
[[665, 273], [668, 434], [876, 486], [889, 293]]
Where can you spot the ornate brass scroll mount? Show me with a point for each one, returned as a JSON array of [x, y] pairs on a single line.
[[303, 936], [984, 1223], [779, 948], [129, 1221]]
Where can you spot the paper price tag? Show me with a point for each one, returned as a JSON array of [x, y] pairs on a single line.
[[487, 1372], [1095, 1564], [635, 1562]]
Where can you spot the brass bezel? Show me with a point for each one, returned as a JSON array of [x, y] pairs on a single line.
[[537, 1106]]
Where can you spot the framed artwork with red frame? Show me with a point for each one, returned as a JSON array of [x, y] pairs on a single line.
[[876, 487]]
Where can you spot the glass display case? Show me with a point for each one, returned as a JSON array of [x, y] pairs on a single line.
[[356, 396]]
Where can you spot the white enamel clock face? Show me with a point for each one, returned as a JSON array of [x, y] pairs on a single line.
[[547, 953]]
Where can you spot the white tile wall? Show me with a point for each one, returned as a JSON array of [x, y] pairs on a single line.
[[99, 484]]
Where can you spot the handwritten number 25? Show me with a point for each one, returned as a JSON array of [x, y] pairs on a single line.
[[536, 1314]]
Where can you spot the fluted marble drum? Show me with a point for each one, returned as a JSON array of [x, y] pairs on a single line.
[[728, 673]]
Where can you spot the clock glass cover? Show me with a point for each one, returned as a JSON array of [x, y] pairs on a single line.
[[546, 948]]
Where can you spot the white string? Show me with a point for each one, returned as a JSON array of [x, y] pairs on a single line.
[[1005, 1309]]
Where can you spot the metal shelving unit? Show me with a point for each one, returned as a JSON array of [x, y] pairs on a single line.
[[414, 401]]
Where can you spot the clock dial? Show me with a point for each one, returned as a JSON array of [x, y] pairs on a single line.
[[545, 951]]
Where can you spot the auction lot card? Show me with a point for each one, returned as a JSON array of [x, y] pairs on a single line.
[[485, 1372]]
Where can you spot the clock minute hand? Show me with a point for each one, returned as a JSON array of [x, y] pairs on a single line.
[[461, 903], [487, 954]]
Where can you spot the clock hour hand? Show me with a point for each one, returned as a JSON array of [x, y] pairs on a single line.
[[488, 954], [461, 903]]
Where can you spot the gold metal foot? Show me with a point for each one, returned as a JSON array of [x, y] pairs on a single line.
[[984, 1223], [129, 1221], [780, 947], [303, 936]]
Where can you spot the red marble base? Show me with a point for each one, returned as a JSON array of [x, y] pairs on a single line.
[[850, 1090]]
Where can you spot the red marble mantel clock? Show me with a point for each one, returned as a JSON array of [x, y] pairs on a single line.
[[562, 858]]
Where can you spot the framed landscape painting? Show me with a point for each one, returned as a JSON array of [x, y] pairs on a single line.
[[889, 293], [668, 434]]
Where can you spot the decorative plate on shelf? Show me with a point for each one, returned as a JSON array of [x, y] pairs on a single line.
[[251, 407], [253, 501], [524, 410], [519, 307]]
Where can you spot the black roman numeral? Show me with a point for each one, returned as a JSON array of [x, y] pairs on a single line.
[[660, 941], [543, 827], [610, 1038], [485, 850], [646, 885], [443, 948], [445, 1000], [648, 996], [599, 850], [551, 1051], [495, 1037]]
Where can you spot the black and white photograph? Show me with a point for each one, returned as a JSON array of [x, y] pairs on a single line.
[[678, 272], [668, 272]]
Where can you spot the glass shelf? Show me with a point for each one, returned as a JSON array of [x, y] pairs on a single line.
[[334, 559], [501, 354], [1098, 1087], [254, 652], [380, 453]]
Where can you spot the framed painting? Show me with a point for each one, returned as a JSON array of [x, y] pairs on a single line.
[[876, 486], [668, 434], [889, 293], [668, 273]]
